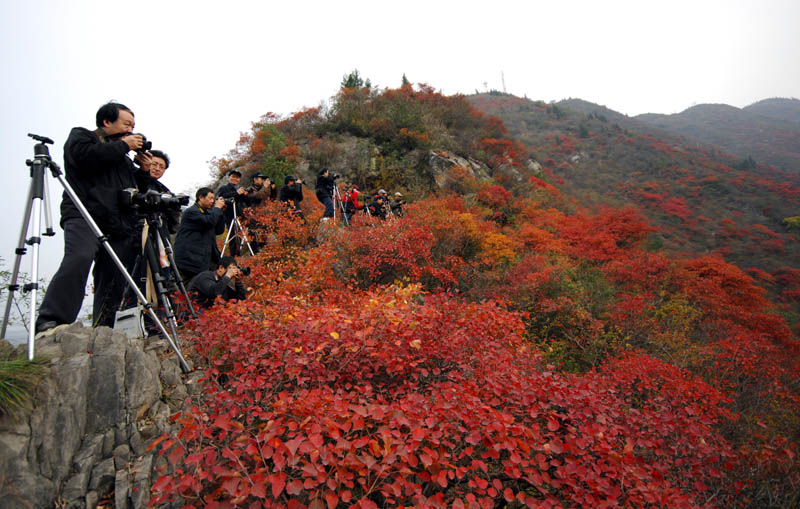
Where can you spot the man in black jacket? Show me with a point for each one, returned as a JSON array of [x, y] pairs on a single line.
[[324, 191], [156, 166], [220, 282], [97, 166], [233, 193], [196, 243], [292, 195]]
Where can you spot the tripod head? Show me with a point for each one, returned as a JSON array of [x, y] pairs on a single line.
[[43, 139], [41, 152]]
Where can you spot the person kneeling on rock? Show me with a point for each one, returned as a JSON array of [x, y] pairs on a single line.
[[224, 281]]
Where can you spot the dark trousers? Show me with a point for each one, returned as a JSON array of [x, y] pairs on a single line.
[[328, 202], [64, 296]]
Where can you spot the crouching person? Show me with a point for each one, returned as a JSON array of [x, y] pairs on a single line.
[[224, 281]]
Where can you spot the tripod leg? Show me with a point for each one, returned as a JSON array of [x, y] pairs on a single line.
[[228, 237], [135, 272], [34, 284], [48, 217], [243, 235], [174, 272], [13, 287]]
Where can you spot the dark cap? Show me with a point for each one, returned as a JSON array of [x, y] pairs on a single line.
[[260, 175], [234, 172]]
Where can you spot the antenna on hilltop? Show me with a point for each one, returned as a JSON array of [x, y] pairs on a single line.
[[503, 79]]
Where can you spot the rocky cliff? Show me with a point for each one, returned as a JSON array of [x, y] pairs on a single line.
[[103, 398]]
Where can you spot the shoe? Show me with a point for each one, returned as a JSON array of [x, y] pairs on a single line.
[[48, 329], [45, 326]]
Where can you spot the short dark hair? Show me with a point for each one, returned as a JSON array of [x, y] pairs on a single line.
[[202, 192], [161, 155], [227, 261], [110, 111]]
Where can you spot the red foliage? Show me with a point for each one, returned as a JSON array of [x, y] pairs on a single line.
[[356, 375], [374, 399], [494, 197]]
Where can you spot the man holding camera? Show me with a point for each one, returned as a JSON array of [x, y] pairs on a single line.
[[97, 167], [154, 168], [351, 202], [233, 194], [258, 193], [292, 195], [196, 243], [324, 191], [378, 206], [224, 281]]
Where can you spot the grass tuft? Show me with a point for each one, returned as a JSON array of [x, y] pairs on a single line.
[[17, 380]]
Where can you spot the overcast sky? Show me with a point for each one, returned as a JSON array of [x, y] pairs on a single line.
[[197, 73]]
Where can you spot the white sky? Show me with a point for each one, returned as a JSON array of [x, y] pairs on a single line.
[[196, 73]]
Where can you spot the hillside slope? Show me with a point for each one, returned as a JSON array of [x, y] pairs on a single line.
[[787, 110], [500, 343], [769, 131], [701, 199]]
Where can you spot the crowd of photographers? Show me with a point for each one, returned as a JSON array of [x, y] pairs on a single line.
[[140, 217]]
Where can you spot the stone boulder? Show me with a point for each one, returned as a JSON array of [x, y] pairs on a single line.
[[103, 399]]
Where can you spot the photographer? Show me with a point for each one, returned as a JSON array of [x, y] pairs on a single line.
[[324, 191], [351, 202], [235, 196], [292, 195], [224, 281], [378, 206], [196, 243], [272, 189], [396, 205], [154, 168], [258, 193], [233, 192], [97, 167]]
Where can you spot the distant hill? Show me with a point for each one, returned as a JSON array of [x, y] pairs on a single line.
[[767, 131], [701, 197], [787, 110]]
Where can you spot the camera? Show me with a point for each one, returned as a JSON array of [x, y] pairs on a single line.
[[335, 176], [151, 201], [244, 270], [146, 145]]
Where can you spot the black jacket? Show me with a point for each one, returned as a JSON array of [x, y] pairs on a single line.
[[98, 170], [205, 287], [324, 187], [196, 243], [228, 191], [293, 193], [377, 209]]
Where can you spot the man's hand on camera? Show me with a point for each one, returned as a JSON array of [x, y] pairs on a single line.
[[143, 159], [233, 272], [241, 191], [134, 141], [299, 182], [220, 203]]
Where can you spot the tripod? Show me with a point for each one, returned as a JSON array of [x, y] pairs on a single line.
[[154, 239], [42, 161], [338, 198], [38, 199], [236, 233]]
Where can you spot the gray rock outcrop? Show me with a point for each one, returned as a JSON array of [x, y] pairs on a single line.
[[440, 161], [103, 399]]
